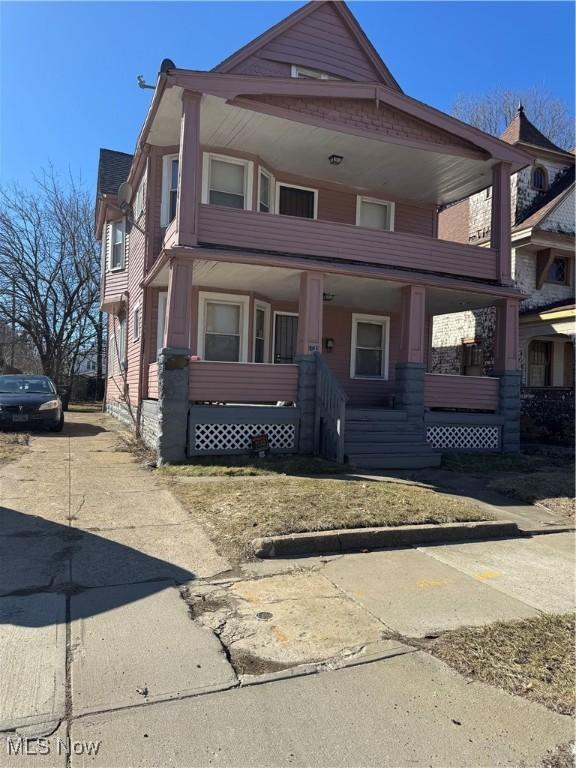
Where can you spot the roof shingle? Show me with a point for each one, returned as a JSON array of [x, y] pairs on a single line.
[[113, 169], [522, 131]]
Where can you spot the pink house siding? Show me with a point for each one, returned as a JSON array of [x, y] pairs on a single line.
[[320, 41], [243, 382], [474, 392]]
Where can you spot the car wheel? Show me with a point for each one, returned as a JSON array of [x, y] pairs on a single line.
[[59, 426]]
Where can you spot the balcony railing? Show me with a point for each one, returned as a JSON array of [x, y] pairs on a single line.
[[307, 237], [475, 393]]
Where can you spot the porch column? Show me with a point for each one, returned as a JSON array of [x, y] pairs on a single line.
[[173, 364], [500, 230], [410, 368], [189, 170], [310, 307], [506, 367]]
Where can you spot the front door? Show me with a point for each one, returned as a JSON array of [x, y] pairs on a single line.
[[285, 336]]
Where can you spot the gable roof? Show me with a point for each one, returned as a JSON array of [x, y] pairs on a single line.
[[345, 19], [113, 169], [522, 131], [545, 203]]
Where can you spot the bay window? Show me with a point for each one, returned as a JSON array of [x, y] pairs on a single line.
[[369, 352], [223, 327], [227, 181]]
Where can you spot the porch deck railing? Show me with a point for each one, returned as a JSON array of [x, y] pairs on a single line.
[[153, 381], [269, 232], [330, 413], [478, 393], [242, 382]]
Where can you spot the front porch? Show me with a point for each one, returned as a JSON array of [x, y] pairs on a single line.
[[303, 350]]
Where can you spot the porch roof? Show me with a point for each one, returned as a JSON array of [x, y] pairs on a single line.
[[366, 294]]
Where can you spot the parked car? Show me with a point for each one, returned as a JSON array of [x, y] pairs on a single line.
[[29, 402]]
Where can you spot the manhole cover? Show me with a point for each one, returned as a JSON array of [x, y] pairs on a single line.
[[264, 615]]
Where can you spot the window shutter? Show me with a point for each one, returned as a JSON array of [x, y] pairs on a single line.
[[107, 239], [126, 247]]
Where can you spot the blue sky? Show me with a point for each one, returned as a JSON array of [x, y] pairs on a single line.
[[68, 70]]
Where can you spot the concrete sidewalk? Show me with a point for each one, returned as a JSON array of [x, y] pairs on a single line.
[[120, 623]]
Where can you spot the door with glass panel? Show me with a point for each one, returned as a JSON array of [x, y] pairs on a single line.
[[222, 331], [285, 337]]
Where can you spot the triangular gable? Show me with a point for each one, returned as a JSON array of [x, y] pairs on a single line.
[[320, 35], [560, 217]]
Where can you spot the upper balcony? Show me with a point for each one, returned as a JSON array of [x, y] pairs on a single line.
[[355, 144]]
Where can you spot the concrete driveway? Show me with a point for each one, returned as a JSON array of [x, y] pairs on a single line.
[[125, 637]]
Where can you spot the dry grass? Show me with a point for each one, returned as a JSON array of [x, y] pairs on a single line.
[[85, 407], [235, 511], [554, 489], [563, 756], [250, 466], [13, 445], [533, 658]]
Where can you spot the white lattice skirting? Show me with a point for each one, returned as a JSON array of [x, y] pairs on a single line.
[[469, 438], [236, 437]]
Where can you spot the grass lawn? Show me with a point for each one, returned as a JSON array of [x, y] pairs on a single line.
[[12, 445], [234, 510], [554, 489], [85, 407], [533, 658], [489, 462], [250, 466]]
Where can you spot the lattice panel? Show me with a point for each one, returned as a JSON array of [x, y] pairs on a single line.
[[468, 438], [236, 437]]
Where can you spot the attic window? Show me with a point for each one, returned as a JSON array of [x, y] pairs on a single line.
[[304, 73], [539, 178]]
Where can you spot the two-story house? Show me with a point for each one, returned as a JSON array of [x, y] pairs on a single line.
[[271, 265], [542, 240]]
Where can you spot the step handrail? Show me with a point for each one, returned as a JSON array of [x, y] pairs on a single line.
[[330, 416]]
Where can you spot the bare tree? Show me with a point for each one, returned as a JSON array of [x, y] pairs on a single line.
[[49, 267], [494, 110]]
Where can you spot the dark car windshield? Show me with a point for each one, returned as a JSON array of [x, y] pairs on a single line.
[[28, 385]]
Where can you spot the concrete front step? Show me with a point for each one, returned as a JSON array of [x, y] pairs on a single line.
[[375, 414], [398, 461]]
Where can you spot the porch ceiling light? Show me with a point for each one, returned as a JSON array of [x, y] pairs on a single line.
[[335, 159], [328, 296]]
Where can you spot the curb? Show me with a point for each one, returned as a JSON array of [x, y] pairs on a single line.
[[357, 539]]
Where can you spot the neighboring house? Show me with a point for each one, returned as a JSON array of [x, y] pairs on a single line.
[[542, 232], [273, 263]]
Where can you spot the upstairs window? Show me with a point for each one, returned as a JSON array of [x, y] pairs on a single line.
[[227, 181], [169, 189], [296, 201], [117, 248], [305, 73], [374, 214], [265, 187], [539, 178]]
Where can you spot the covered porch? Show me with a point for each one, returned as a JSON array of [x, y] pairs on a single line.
[[251, 331]]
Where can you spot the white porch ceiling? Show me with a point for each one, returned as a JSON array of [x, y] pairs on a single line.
[[360, 293], [294, 148]]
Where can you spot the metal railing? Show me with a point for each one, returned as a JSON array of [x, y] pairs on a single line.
[[330, 413]]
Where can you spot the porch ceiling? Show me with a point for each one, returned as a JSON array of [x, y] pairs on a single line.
[[360, 293], [390, 170]]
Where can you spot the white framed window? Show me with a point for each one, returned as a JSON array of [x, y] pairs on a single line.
[[140, 199], [306, 73], [121, 342], [375, 214], [369, 348], [260, 352], [265, 191], [161, 320], [227, 181], [136, 323], [223, 327], [117, 245], [293, 200], [169, 189]]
